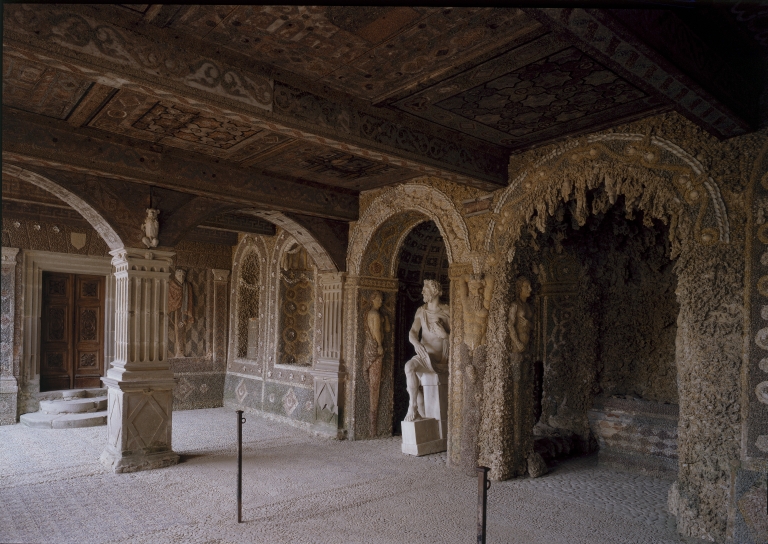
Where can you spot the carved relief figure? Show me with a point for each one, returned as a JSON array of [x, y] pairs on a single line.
[[373, 355], [150, 228], [432, 320], [520, 314], [475, 301], [180, 303]]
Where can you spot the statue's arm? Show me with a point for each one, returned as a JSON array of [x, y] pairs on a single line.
[[512, 324], [413, 336]]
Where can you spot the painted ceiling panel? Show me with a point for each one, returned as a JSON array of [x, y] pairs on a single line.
[[332, 167], [527, 93], [36, 88]]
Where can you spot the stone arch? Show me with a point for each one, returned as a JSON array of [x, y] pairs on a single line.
[[250, 247], [414, 203], [303, 236], [659, 178], [101, 225], [654, 174]]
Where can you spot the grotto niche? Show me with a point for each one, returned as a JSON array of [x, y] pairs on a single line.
[[603, 358], [422, 256]]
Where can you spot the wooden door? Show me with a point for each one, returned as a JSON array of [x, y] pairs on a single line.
[[88, 340], [72, 338], [56, 335]]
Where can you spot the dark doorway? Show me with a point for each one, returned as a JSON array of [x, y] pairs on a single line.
[[72, 336], [421, 257]]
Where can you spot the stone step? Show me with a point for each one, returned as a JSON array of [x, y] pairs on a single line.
[[72, 394], [73, 405], [40, 420]]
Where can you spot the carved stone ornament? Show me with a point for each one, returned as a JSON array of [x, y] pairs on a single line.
[[412, 196], [150, 228], [475, 293]]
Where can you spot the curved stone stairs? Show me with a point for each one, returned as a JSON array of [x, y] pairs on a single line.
[[69, 409]]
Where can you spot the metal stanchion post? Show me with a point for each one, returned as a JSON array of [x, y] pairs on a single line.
[[482, 499], [240, 421]]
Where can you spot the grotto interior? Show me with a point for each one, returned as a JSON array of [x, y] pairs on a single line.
[[210, 207], [606, 312]]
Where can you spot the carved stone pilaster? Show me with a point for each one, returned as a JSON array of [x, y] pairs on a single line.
[[356, 407], [9, 386], [220, 314], [140, 381], [328, 370]]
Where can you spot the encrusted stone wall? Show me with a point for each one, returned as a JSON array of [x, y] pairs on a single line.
[[200, 367], [257, 377], [682, 275]]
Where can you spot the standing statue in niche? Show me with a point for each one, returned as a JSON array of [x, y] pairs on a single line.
[[432, 320], [475, 301], [180, 302], [151, 228], [373, 355], [519, 323], [520, 316]]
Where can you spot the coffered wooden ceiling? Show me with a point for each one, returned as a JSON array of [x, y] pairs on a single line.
[[298, 108]]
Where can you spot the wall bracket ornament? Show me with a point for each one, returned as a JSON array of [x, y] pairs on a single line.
[[151, 228]]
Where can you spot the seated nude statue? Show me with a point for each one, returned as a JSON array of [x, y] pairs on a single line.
[[432, 320]]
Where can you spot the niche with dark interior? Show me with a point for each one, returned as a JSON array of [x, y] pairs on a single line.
[[606, 317], [421, 257]]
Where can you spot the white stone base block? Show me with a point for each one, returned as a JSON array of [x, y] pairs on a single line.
[[139, 425], [133, 463], [422, 437]]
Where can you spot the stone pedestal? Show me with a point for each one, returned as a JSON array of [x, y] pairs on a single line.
[[423, 436], [140, 381], [435, 387], [429, 435]]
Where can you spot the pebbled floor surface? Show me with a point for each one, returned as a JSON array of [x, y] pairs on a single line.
[[302, 489]]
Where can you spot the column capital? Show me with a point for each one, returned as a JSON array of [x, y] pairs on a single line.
[[142, 260], [9, 255], [220, 274]]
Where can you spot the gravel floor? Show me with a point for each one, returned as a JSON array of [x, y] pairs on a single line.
[[302, 489]]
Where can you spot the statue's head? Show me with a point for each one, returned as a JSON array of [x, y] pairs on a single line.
[[476, 285], [152, 213], [377, 299], [180, 275], [523, 287], [431, 290]]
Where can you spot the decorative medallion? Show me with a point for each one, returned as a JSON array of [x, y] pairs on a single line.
[[762, 286], [762, 392]]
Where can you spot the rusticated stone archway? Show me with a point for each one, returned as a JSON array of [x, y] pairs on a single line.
[[666, 183], [372, 263]]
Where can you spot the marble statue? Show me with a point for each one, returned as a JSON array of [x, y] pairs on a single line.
[[432, 320], [475, 296], [150, 228], [520, 315], [373, 355], [180, 302]]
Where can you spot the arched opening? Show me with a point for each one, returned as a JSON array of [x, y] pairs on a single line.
[[422, 256], [605, 322]]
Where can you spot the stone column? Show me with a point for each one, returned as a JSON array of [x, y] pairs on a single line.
[[9, 387], [140, 381], [220, 314], [328, 371]]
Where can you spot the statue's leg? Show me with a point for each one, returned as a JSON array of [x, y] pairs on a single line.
[[420, 401], [412, 385], [374, 380]]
